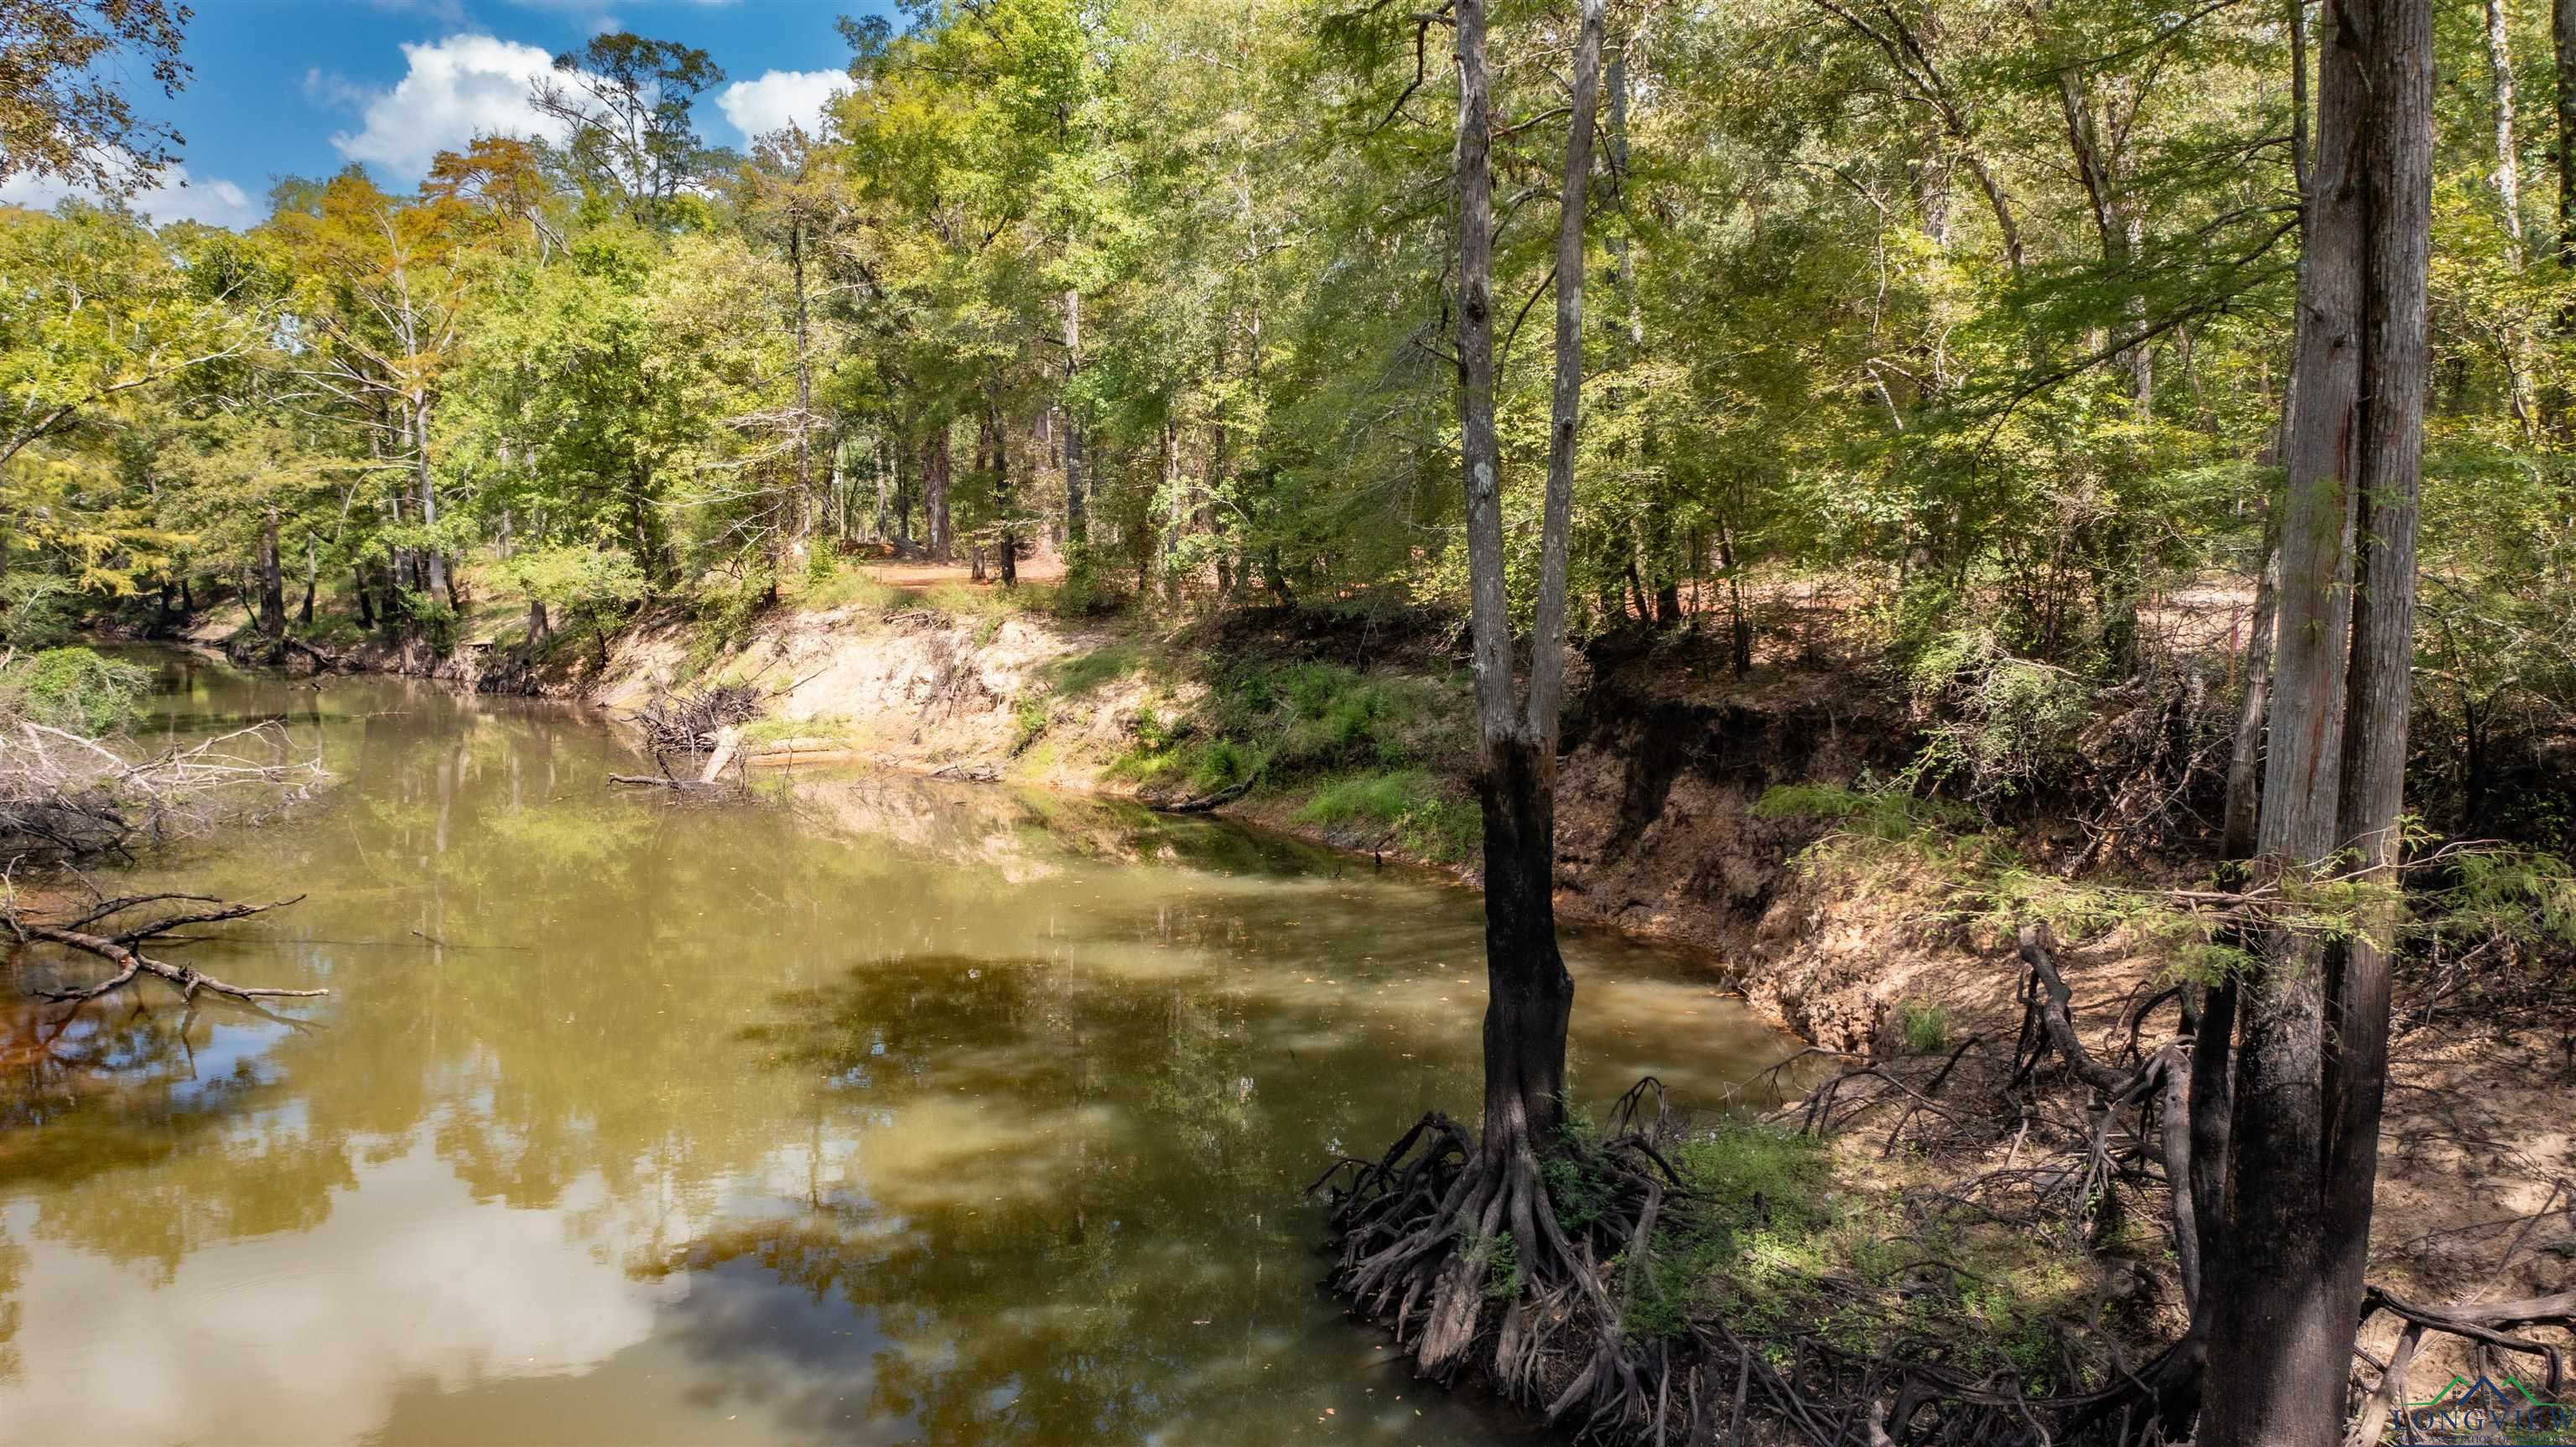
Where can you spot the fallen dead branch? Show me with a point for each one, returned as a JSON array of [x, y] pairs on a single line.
[[66, 797], [93, 932], [687, 722]]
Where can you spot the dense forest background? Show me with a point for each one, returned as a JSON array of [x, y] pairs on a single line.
[[1972, 316]]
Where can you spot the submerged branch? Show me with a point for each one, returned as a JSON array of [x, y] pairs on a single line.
[[119, 945]]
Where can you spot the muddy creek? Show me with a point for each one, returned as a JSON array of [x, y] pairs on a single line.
[[879, 1110]]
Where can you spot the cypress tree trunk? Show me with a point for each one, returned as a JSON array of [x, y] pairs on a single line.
[[934, 491], [272, 583], [2311, 1053], [434, 579], [1077, 522], [1007, 549], [2562, 34], [1531, 997]]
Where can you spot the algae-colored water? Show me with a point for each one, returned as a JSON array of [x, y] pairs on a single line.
[[883, 1111]]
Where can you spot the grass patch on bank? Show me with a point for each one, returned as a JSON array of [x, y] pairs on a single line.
[[1783, 1244], [854, 588], [1408, 805], [1291, 723], [1082, 674], [826, 729]]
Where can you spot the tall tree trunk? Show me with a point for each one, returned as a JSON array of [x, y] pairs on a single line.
[[2311, 1053], [433, 560], [312, 580], [881, 473], [2562, 34], [2516, 342], [1077, 522], [1006, 548], [804, 394], [1530, 994], [2508, 157], [639, 523], [1176, 515], [366, 600], [934, 491], [1210, 518], [272, 583]]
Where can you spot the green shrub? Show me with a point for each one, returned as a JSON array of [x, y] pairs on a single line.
[[73, 689], [1879, 813], [35, 609], [1923, 1026], [1030, 716], [1997, 725]]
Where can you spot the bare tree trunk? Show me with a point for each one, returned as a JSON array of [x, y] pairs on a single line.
[[272, 586], [1077, 523], [2507, 179], [2508, 168], [1006, 547], [804, 393], [2562, 34], [433, 561], [2311, 1054], [934, 492], [2254, 707], [1210, 517], [1531, 995], [1176, 515], [312, 580]]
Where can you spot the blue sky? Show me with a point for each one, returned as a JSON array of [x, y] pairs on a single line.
[[304, 87]]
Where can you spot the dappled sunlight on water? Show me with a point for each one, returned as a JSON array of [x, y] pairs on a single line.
[[876, 1110]]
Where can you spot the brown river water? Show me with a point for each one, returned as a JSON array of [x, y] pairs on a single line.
[[875, 1110]]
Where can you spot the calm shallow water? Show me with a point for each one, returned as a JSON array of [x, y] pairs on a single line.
[[891, 1112]]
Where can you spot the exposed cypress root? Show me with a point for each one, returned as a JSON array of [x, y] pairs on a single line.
[[1460, 1251]]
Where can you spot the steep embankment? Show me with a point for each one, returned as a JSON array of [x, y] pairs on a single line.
[[1351, 731], [1666, 755]]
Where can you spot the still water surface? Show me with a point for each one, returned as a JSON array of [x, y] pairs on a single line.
[[887, 1112]]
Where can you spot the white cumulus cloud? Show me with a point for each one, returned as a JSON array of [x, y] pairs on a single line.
[[455, 89], [174, 196], [779, 97]]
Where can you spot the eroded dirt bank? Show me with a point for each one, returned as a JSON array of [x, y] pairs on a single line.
[[1667, 758], [1666, 755]]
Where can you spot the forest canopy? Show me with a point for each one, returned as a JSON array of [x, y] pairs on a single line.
[[1977, 312]]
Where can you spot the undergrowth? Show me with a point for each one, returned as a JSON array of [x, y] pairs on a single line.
[[1778, 1243], [73, 689], [1286, 722]]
